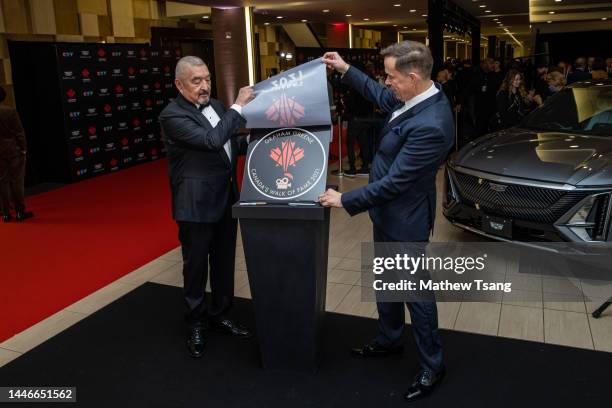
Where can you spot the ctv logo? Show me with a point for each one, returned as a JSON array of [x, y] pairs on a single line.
[[81, 172], [127, 160], [137, 140], [133, 89], [88, 93], [155, 53], [116, 53], [148, 121], [102, 73], [121, 108], [159, 102], [108, 128], [74, 115], [68, 54], [94, 150], [144, 71], [168, 85]]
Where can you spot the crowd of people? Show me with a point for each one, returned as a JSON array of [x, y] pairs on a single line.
[[491, 96]]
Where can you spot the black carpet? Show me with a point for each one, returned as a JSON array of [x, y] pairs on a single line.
[[132, 354]]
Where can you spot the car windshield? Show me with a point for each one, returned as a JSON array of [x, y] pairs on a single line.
[[585, 110]]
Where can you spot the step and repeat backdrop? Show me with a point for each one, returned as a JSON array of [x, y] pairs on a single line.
[[111, 97]]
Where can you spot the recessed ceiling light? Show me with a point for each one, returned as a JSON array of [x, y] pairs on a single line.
[[482, 6], [366, 19], [548, 22], [266, 23], [423, 15], [348, 15], [279, 17], [487, 11], [495, 19], [397, 5], [414, 29], [604, 18], [551, 12], [304, 21], [404, 27], [394, 25], [326, 11], [412, 10], [558, 1], [205, 16]]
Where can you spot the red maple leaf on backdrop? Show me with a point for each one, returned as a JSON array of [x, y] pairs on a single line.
[[286, 111], [287, 155]]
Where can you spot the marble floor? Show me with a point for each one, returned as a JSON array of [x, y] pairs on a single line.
[[563, 323]]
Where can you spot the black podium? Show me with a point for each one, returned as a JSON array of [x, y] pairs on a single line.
[[286, 254]]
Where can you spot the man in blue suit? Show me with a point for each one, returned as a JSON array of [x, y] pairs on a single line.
[[401, 194]]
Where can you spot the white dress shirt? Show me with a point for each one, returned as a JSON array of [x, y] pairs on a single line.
[[415, 100], [211, 115]]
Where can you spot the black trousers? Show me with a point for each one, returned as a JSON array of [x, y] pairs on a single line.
[[12, 174], [205, 244], [424, 317], [360, 131]]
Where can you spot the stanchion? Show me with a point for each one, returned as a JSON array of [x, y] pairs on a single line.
[[339, 172]]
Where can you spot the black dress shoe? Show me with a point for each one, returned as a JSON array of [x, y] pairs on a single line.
[[228, 327], [424, 384], [7, 218], [196, 342], [23, 215], [376, 350]]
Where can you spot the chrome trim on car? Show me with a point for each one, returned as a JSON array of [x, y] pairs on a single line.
[[484, 234], [524, 182]]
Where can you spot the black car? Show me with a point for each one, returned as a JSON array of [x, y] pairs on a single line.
[[548, 179]]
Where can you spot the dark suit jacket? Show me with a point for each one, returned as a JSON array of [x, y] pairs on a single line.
[[12, 136], [401, 194], [202, 179]]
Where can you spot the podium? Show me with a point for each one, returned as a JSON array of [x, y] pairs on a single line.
[[286, 252]]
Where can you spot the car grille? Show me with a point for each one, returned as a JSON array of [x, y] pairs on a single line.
[[528, 203]]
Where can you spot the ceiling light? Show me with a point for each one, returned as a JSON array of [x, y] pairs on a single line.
[[548, 22], [279, 17], [423, 15], [495, 19], [326, 11], [304, 21], [414, 29], [205, 16], [404, 27], [394, 25], [482, 6], [412, 10], [266, 23], [604, 18], [348, 15], [551, 12], [487, 11], [366, 19], [397, 5], [558, 1]]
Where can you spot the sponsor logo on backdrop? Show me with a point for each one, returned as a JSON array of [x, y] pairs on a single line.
[[149, 121], [133, 89], [74, 115], [131, 72], [137, 140], [78, 154], [280, 176], [88, 93], [131, 54], [107, 128], [85, 54], [102, 54], [143, 52], [117, 53], [150, 137], [143, 71], [110, 146], [141, 156], [94, 150], [119, 91], [157, 86], [160, 102], [122, 126], [67, 54], [92, 130], [167, 69], [86, 74], [136, 124], [101, 73], [76, 134], [155, 71], [98, 167], [146, 88], [127, 159], [121, 108], [169, 85], [154, 53], [136, 106], [149, 104], [91, 112], [117, 73], [154, 153], [167, 54], [81, 172], [107, 110], [68, 75], [125, 143], [114, 164], [71, 95], [103, 92]]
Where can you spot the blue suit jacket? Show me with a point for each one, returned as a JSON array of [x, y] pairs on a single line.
[[401, 194]]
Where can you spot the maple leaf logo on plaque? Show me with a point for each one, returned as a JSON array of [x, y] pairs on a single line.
[[286, 111], [286, 156]]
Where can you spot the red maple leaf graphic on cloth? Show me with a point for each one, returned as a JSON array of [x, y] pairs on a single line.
[[285, 111], [287, 155]]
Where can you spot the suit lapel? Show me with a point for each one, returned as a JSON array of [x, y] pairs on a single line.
[[412, 112], [220, 111]]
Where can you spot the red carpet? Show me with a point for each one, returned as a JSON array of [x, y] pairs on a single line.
[[84, 236]]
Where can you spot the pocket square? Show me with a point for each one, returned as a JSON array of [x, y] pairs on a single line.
[[397, 130]]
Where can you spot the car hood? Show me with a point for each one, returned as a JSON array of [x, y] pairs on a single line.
[[544, 156]]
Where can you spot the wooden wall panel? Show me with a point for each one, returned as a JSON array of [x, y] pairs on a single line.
[[89, 24], [67, 17], [43, 17], [92, 6], [122, 13], [17, 22]]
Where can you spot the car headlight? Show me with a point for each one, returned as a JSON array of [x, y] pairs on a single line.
[[590, 222]]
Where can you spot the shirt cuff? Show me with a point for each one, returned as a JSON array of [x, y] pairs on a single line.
[[342, 76], [237, 108]]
